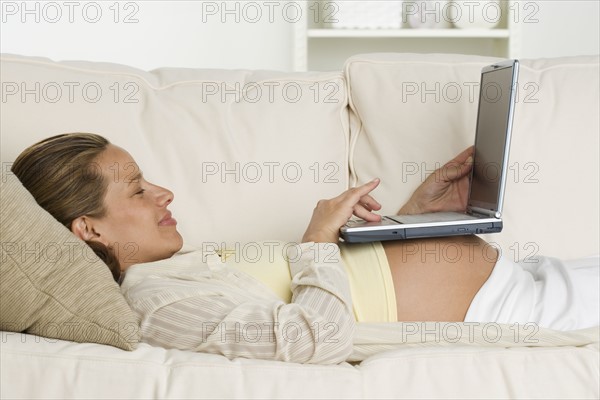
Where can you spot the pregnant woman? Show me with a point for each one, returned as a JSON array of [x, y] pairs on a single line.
[[300, 306]]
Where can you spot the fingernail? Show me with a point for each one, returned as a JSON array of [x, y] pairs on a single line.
[[375, 180]]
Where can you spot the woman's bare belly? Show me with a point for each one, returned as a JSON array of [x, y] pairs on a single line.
[[436, 279]]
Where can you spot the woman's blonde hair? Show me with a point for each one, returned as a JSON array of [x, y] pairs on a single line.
[[63, 176]]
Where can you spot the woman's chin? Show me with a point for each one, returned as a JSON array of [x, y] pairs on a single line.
[[162, 247], [178, 243]]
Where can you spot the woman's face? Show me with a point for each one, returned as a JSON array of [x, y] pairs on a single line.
[[137, 225]]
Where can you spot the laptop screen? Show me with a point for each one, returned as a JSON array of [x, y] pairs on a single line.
[[492, 137]]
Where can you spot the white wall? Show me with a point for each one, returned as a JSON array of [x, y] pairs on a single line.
[[559, 28], [158, 33], [193, 34]]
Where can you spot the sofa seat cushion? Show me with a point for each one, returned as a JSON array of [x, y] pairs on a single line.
[[65, 369]]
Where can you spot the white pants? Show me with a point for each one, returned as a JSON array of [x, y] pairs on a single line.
[[555, 294]]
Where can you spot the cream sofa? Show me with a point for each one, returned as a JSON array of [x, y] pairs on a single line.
[[249, 153]]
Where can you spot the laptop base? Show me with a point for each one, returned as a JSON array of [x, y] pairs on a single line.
[[398, 233]]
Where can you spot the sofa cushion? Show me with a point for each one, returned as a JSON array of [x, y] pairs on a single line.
[[247, 153], [52, 284], [413, 112], [432, 369]]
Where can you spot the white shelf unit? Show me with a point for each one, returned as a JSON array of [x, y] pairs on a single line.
[[408, 33], [323, 48]]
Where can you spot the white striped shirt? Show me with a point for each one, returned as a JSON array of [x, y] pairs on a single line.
[[187, 302]]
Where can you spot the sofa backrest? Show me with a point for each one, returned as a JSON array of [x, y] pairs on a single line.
[[247, 153], [413, 112]]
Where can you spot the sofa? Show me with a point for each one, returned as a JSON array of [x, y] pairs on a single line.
[[249, 153]]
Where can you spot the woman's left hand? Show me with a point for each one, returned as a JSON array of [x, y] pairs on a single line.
[[330, 215], [445, 189]]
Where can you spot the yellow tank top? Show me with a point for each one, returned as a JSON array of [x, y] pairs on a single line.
[[263, 261], [371, 284]]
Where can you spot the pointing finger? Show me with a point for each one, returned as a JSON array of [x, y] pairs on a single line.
[[356, 193]]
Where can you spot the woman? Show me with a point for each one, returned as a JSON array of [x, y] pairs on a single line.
[[191, 301]]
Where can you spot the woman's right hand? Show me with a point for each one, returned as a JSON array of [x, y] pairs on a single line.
[[446, 189], [330, 215]]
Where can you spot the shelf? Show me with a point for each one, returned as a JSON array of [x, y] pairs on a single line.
[[325, 46], [410, 33]]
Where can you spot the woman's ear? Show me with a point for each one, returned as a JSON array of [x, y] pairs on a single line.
[[82, 227]]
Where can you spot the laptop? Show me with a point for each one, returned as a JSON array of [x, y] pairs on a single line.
[[488, 176]]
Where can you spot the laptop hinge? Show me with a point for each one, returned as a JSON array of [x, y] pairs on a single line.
[[485, 212]]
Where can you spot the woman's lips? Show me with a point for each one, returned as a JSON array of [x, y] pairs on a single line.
[[168, 220]]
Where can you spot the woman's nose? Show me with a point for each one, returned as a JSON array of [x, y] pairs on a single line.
[[165, 197]]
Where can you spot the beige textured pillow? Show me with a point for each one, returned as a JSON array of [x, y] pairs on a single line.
[[51, 283]]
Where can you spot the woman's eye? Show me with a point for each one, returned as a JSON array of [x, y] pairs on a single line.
[[141, 191]]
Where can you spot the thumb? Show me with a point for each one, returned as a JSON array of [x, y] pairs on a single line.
[[456, 171]]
